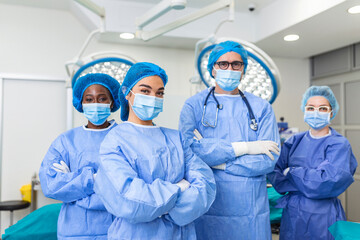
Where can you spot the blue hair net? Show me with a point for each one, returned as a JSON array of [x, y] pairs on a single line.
[[225, 47], [323, 91], [105, 80], [137, 72]]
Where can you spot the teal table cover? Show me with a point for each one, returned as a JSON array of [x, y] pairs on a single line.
[[275, 213], [343, 230], [38, 225], [42, 223]]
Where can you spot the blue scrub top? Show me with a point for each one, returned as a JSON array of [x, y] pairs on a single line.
[[82, 215], [241, 207], [320, 170], [140, 166]]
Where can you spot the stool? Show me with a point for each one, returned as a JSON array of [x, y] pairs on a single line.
[[13, 205]]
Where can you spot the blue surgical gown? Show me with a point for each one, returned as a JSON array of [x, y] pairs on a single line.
[[136, 181], [241, 207], [82, 215], [320, 170]]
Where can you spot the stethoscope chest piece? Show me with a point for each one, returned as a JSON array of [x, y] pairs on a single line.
[[253, 125]]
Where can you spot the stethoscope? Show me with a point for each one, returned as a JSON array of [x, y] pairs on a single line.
[[253, 124]]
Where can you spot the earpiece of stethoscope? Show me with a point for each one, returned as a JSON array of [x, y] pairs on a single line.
[[253, 124]]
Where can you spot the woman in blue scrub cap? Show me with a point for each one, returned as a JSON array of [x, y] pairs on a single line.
[[148, 177], [314, 168], [69, 168]]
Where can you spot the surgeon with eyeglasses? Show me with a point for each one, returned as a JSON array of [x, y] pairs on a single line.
[[69, 168], [236, 134], [148, 177], [314, 168]]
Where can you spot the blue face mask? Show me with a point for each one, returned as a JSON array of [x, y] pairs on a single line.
[[317, 120], [147, 107], [97, 113], [228, 80]]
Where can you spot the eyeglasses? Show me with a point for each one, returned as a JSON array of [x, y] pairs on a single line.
[[236, 65], [319, 109]]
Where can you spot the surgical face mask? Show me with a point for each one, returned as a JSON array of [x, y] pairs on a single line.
[[147, 107], [228, 80], [317, 120], [97, 113]]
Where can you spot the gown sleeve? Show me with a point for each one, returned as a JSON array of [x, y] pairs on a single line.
[[280, 182], [66, 187], [92, 202], [124, 193], [259, 164], [332, 177], [212, 151], [197, 199]]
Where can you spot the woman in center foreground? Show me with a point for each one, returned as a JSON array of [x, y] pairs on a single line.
[[148, 177]]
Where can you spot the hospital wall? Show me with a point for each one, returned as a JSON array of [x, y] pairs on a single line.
[[36, 42]]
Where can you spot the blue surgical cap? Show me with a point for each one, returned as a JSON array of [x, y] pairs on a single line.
[[137, 72], [86, 81], [225, 47], [323, 91]]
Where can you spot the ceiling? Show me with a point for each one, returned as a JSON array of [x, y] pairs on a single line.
[[240, 5], [323, 25]]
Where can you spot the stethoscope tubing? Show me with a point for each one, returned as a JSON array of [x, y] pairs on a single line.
[[253, 124]]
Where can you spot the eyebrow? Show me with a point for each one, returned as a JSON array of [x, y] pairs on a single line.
[[320, 105], [144, 85], [147, 86]]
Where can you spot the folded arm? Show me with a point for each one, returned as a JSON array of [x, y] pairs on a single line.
[[277, 178], [213, 151], [331, 178], [66, 187], [196, 200], [126, 195], [255, 164]]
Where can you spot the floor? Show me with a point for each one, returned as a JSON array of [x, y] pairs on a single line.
[[275, 237]]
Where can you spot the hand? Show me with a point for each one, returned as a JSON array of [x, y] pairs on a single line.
[[263, 147], [256, 147], [62, 167], [220, 167], [183, 185], [286, 170], [94, 175]]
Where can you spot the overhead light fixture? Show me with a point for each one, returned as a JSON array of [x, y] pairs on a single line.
[[166, 5], [127, 35], [291, 37], [158, 10], [354, 9], [178, 4], [113, 66]]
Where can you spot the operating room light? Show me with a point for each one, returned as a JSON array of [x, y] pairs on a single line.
[[354, 10], [258, 80], [115, 67], [126, 35], [291, 37]]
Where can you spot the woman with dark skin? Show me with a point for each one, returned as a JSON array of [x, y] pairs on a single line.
[[69, 168]]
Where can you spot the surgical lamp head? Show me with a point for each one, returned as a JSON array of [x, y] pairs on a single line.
[[137, 72], [323, 91], [86, 81], [225, 47]]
